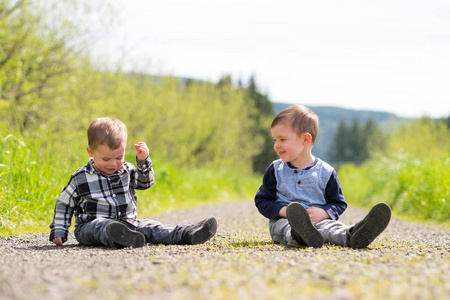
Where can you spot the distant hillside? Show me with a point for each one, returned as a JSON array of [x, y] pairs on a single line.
[[329, 118]]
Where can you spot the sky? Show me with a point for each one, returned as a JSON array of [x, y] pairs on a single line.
[[384, 55]]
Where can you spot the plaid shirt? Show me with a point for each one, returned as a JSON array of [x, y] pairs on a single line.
[[91, 194]]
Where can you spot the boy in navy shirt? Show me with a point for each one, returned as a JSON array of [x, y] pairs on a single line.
[[301, 194]]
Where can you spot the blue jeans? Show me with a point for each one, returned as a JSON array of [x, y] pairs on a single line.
[[334, 232], [93, 233]]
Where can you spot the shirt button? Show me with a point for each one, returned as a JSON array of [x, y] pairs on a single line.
[[295, 171], [114, 195], [298, 182]]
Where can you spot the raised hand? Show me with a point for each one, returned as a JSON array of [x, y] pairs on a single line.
[[142, 151]]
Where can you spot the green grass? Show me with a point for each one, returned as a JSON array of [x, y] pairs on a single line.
[[32, 175], [413, 177], [177, 188], [418, 189], [27, 181]]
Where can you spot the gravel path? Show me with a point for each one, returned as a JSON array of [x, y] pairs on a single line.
[[408, 261]]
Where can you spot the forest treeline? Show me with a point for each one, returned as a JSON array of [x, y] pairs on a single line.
[[356, 141], [411, 173]]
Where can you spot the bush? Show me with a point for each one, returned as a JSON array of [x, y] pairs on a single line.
[[414, 180]]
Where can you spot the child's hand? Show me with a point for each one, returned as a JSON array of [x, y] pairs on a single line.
[[142, 151], [58, 241], [317, 214], [282, 212]]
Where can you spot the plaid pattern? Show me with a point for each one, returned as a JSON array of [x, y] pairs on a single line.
[[91, 194]]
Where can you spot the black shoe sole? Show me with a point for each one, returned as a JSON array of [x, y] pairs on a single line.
[[204, 232], [302, 226], [373, 224], [122, 236]]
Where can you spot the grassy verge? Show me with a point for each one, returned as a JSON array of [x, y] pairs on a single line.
[[27, 181], [32, 175], [413, 176], [183, 188], [415, 188]]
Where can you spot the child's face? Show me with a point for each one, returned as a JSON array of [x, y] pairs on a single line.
[[108, 161], [289, 146]]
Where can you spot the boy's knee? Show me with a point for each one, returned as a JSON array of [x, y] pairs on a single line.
[[280, 231], [93, 233]]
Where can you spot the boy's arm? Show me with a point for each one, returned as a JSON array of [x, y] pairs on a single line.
[[145, 176], [59, 241], [63, 213], [334, 196], [265, 199]]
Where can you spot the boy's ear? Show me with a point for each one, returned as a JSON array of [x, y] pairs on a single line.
[[307, 138], [89, 151]]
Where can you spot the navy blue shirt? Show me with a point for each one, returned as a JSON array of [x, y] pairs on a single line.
[[315, 186]]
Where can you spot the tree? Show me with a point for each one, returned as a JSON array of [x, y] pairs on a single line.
[[262, 117], [40, 45], [339, 149], [32, 59], [376, 139], [355, 142]]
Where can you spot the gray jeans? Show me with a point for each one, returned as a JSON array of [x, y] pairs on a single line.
[[334, 232], [93, 233]]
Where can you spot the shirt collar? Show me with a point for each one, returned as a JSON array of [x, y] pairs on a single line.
[[90, 166], [307, 168], [91, 170]]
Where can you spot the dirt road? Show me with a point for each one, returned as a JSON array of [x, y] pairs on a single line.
[[408, 261]]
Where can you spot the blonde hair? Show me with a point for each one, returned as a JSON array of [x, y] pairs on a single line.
[[300, 119], [106, 130]]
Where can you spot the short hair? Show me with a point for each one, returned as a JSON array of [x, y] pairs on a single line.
[[106, 130], [300, 119]]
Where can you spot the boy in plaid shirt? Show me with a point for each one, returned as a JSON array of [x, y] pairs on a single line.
[[101, 196]]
